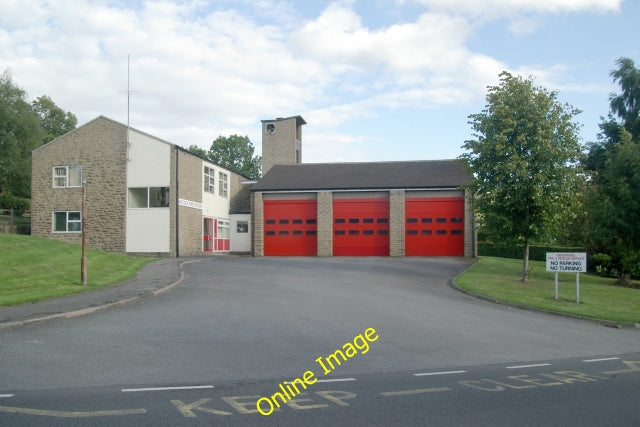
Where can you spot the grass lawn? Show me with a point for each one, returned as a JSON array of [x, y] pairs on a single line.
[[499, 279], [35, 268]]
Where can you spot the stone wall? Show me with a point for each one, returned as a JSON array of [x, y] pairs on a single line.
[[258, 225], [396, 223], [469, 227], [279, 146], [100, 147], [325, 223], [189, 219]]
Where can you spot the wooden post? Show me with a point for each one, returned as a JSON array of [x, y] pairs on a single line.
[[83, 261]]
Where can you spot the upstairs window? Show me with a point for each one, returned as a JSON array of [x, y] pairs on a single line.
[[67, 176], [223, 184], [209, 180], [149, 197]]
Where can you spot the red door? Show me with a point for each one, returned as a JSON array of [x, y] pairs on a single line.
[[290, 227], [361, 227], [434, 227], [207, 235]]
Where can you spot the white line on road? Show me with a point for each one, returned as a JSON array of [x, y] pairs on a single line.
[[189, 387], [439, 373], [601, 360], [528, 366], [7, 395], [417, 391], [336, 380]]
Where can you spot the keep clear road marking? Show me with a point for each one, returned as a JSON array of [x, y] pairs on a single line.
[[528, 366], [439, 373], [70, 414], [189, 387], [7, 395]]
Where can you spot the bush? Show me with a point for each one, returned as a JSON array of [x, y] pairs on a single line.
[[18, 204], [601, 264]]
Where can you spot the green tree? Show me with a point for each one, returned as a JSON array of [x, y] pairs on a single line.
[[200, 152], [20, 133], [55, 121], [613, 199], [524, 158], [235, 153], [624, 114]]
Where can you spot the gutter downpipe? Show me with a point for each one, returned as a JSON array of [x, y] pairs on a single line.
[[177, 207]]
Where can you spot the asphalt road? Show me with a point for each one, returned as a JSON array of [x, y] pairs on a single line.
[[244, 325]]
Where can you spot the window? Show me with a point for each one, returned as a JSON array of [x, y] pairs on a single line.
[[441, 220], [67, 222], [242, 227], [223, 229], [149, 197], [456, 220], [412, 220], [67, 176], [339, 221], [223, 184], [209, 180]]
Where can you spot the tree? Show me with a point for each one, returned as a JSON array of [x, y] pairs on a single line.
[[55, 121], [20, 133], [613, 199], [624, 114], [524, 158], [200, 152], [233, 152]]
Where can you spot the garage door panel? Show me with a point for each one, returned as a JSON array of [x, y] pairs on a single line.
[[434, 227], [361, 227], [290, 227]]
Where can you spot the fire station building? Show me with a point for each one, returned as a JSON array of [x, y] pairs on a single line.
[[407, 208]]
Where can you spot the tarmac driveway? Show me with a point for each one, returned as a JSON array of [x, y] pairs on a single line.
[[238, 319]]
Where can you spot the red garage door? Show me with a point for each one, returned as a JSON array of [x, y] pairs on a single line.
[[361, 227], [434, 227], [290, 227]]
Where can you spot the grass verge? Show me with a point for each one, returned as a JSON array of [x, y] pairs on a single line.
[[35, 268], [499, 279]]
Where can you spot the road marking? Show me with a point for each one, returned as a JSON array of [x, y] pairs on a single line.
[[71, 414], [187, 409], [634, 366], [7, 395], [336, 380], [416, 391], [528, 366], [189, 387], [439, 373], [601, 360]]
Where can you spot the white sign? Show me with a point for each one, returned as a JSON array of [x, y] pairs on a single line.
[[567, 262], [189, 204]]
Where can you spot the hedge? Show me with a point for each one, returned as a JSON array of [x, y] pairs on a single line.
[[536, 253]]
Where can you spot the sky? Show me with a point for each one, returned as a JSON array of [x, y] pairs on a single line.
[[375, 80]]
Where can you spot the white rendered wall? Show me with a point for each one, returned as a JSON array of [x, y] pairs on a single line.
[[214, 205], [240, 242], [148, 165]]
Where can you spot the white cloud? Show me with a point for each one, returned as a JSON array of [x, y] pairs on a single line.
[[500, 8], [200, 69]]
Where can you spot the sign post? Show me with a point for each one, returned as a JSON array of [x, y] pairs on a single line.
[[567, 262]]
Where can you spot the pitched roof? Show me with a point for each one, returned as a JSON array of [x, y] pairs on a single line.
[[364, 176]]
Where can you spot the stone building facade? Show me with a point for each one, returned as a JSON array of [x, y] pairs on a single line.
[[143, 195]]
